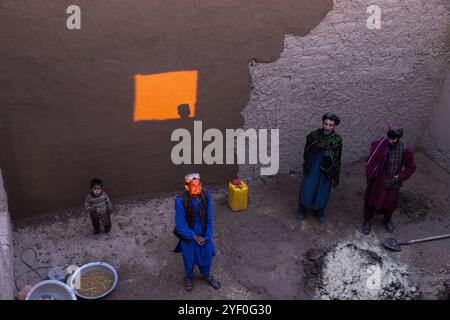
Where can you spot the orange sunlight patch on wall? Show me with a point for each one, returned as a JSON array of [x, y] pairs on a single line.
[[158, 96]]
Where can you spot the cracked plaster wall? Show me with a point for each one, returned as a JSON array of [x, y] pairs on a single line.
[[370, 78], [437, 136]]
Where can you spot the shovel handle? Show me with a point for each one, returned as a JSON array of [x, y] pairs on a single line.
[[428, 239]]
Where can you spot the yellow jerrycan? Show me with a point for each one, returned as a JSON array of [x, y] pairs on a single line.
[[237, 195]]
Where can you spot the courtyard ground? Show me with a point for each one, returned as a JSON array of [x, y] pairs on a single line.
[[263, 252]]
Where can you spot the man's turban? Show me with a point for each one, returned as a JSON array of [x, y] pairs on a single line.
[[395, 132], [332, 117]]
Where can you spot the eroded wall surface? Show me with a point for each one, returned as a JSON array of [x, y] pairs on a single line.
[[370, 78], [437, 135]]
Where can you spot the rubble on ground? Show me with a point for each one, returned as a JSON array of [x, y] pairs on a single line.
[[415, 206], [352, 270]]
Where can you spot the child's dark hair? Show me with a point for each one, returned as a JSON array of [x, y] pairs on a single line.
[[96, 182]]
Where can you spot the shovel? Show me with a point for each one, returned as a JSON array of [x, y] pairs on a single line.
[[395, 245]]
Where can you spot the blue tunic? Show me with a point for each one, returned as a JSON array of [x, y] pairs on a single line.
[[315, 187], [193, 253]]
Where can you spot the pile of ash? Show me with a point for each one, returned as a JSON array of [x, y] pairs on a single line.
[[415, 206], [356, 271]]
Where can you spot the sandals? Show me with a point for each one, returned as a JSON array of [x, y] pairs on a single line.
[[390, 227], [188, 285], [321, 219], [213, 282], [300, 215], [365, 228]]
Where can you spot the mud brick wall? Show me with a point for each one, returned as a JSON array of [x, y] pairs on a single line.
[[437, 136], [67, 97], [368, 77], [6, 248]]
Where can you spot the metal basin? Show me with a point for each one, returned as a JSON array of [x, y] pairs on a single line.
[[51, 290], [73, 280]]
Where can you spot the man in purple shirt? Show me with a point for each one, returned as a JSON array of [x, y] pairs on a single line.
[[390, 163]]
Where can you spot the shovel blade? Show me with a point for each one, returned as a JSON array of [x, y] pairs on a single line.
[[392, 244]]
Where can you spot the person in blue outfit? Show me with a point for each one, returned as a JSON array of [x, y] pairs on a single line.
[[194, 229], [321, 167]]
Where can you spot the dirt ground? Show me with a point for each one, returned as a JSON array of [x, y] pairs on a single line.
[[262, 253]]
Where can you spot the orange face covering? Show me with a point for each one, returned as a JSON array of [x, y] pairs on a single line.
[[194, 187]]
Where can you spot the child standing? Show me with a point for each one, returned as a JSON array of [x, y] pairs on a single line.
[[99, 207]]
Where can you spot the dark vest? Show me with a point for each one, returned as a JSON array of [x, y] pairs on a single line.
[[394, 166], [190, 213]]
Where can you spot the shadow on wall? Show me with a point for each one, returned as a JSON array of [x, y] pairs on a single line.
[[68, 99]]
